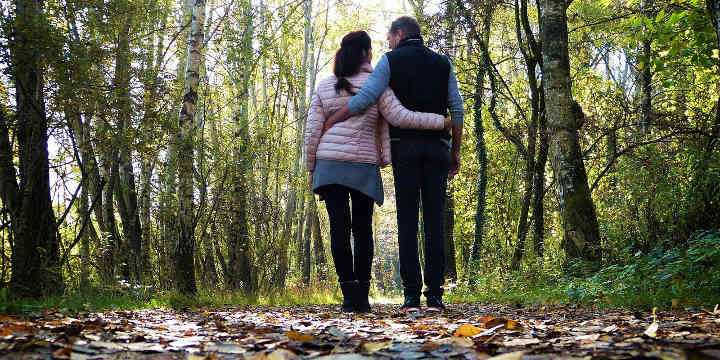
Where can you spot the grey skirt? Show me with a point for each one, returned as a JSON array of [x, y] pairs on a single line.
[[362, 177]]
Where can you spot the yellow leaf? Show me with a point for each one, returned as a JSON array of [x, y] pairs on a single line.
[[512, 325], [294, 335], [716, 54], [466, 330], [375, 346]]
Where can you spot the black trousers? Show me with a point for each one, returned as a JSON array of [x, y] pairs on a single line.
[[420, 168], [348, 265]]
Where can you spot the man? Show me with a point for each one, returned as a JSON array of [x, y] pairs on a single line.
[[423, 81]]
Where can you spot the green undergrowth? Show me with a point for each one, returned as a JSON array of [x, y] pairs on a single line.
[[668, 277], [664, 277], [98, 299]]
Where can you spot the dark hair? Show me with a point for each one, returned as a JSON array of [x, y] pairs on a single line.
[[408, 25], [349, 58]]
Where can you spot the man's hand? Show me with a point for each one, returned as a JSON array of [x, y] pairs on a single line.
[[454, 164], [339, 116]]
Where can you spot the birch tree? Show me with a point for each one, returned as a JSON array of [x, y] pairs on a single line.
[[184, 257], [240, 250]]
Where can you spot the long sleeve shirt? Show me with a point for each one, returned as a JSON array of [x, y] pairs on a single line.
[[380, 79]]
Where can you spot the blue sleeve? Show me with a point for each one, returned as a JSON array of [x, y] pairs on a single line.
[[455, 101], [373, 87]]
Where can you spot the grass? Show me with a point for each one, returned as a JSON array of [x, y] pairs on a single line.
[[98, 299], [666, 277]]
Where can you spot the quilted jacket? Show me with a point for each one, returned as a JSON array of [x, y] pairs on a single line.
[[364, 137]]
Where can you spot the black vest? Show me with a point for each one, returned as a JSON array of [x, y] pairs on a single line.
[[419, 78]]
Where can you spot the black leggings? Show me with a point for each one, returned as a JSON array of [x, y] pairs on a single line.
[[341, 223]]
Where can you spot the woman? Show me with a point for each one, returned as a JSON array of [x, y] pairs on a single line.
[[344, 162]]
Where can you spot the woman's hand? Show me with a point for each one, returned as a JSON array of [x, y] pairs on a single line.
[[448, 123]]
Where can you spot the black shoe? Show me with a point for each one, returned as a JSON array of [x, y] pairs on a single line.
[[362, 305], [349, 290], [434, 303], [411, 304]]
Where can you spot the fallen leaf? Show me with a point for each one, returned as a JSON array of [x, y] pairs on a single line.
[[456, 341], [194, 357], [62, 353], [281, 354], [338, 333], [513, 325], [521, 342], [517, 355], [294, 335], [220, 325], [375, 346], [467, 330], [34, 343], [610, 329], [651, 331]]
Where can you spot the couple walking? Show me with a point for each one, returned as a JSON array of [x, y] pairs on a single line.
[[362, 119]]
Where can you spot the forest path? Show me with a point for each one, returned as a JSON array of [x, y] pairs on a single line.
[[321, 332]]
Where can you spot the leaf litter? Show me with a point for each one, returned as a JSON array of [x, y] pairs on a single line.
[[463, 331]]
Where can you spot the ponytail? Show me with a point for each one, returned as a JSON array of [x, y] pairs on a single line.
[[349, 58]]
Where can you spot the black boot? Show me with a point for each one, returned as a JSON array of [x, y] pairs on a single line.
[[349, 290], [362, 305]]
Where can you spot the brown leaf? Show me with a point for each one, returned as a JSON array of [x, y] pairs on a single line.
[[62, 353], [294, 335]]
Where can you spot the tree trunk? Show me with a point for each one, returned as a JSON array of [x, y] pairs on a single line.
[[306, 245], [538, 200], [281, 274], [239, 242], [480, 148], [127, 195], [35, 258], [528, 48], [88, 233], [109, 248], [646, 74], [581, 235], [538, 105], [184, 257], [319, 247], [145, 219]]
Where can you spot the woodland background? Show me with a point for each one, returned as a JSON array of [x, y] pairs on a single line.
[[156, 146]]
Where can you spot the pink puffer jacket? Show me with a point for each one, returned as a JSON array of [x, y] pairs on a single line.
[[362, 138]]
